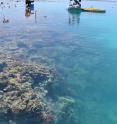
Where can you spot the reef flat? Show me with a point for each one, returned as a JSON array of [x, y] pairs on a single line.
[[23, 88]]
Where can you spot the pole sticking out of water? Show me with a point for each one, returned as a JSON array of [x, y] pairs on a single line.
[[35, 16]]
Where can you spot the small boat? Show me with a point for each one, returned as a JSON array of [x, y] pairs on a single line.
[[93, 10], [74, 9], [79, 9]]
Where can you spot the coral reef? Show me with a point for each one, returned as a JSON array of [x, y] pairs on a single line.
[[22, 89]]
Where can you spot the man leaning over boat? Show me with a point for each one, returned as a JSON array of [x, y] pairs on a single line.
[[75, 3]]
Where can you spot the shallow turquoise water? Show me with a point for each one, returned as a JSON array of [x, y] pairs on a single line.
[[81, 47]]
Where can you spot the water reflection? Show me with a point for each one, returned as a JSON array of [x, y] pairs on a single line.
[[74, 18]]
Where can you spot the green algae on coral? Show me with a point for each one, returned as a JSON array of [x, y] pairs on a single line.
[[18, 96], [15, 70]]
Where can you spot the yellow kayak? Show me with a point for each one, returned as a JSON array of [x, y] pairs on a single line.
[[93, 10]]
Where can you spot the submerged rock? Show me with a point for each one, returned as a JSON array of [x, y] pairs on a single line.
[[18, 82]]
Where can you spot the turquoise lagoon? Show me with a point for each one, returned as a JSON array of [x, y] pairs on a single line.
[[82, 48]]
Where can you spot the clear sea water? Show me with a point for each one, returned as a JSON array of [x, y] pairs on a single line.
[[81, 47]]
